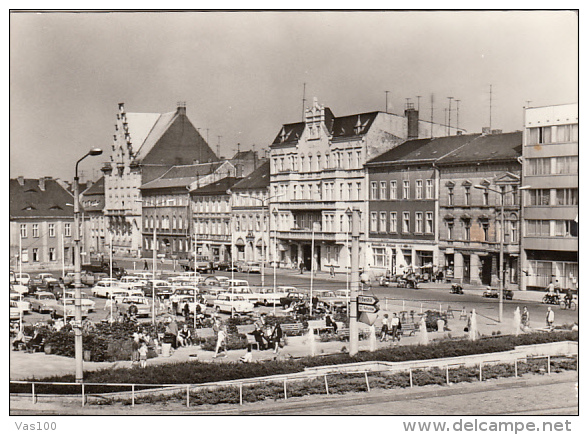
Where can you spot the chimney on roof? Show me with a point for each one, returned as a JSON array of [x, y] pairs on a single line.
[[42, 181], [20, 179], [181, 108], [412, 115], [485, 130], [459, 132], [497, 131]]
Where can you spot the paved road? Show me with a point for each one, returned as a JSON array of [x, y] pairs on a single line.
[[532, 395]]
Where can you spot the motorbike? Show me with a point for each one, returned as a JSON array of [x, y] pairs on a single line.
[[456, 289]]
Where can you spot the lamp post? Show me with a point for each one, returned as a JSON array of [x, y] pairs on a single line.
[[78, 342], [275, 254], [153, 298], [354, 260], [502, 193]]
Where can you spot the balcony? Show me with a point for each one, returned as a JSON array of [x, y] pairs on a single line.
[[307, 204], [213, 237], [306, 235]]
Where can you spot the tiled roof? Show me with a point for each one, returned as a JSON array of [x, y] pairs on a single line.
[[182, 175], [218, 187], [258, 179], [95, 189], [419, 150], [29, 200], [502, 146], [342, 127]]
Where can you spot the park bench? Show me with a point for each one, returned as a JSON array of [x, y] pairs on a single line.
[[320, 327], [408, 328], [292, 328], [363, 331]]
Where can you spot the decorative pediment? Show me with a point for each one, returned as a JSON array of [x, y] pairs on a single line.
[[450, 184], [467, 183], [507, 178], [485, 183]]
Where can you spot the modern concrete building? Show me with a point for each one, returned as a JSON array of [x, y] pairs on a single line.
[[317, 176], [550, 205], [145, 146]]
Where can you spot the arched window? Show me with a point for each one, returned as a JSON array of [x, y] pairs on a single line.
[[174, 222], [309, 162], [180, 223]]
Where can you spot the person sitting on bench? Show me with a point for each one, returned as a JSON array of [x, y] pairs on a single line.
[[18, 340], [35, 342], [329, 323]]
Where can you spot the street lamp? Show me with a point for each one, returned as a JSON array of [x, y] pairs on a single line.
[[153, 314], [502, 193], [78, 343]]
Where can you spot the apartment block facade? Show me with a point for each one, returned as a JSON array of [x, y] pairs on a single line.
[[550, 205]]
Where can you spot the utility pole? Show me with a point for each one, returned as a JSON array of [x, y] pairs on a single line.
[[353, 327], [449, 98], [387, 92], [432, 109], [490, 109], [303, 99], [457, 111]]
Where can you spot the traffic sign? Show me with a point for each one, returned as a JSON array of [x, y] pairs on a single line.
[[362, 308], [367, 300]]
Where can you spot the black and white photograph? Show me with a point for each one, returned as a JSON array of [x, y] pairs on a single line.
[[297, 212]]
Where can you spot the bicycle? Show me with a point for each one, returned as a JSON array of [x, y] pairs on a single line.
[[564, 305]]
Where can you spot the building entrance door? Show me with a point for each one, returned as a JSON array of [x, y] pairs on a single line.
[[486, 275], [466, 268], [306, 256]]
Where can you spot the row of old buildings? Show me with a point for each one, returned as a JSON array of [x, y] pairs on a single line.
[[430, 196]]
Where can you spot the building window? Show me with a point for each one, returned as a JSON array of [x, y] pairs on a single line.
[[539, 135], [541, 166], [537, 228], [358, 184], [539, 197], [35, 230], [485, 228], [430, 189], [393, 191], [24, 256], [418, 222], [485, 197], [374, 190], [567, 133], [429, 223], [374, 222], [467, 195], [52, 256], [383, 194], [563, 228], [566, 196], [406, 189], [379, 257], [406, 222], [67, 229], [467, 227], [393, 222], [450, 197], [450, 225], [35, 255], [349, 191], [419, 189], [23, 231], [566, 165], [383, 221], [514, 237], [51, 230]]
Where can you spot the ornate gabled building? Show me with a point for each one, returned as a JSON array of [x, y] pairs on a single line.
[[145, 146], [317, 174]]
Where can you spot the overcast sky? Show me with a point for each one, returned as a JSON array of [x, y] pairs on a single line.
[[241, 74]]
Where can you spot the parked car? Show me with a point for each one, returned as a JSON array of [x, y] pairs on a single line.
[[43, 281], [87, 303], [19, 288], [14, 311], [493, 293], [162, 289], [233, 304], [103, 289], [23, 305], [210, 293], [237, 283], [143, 304], [251, 267], [22, 278], [87, 278], [267, 296], [291, 297], [43, 302], [68, 307], [192, 303]]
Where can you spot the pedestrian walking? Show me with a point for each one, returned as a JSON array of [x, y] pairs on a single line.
[[525, 318], [550, 318], [221, 335], [143, 355], [385, 328], [395, 324], [301, 267], [145, 265]]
